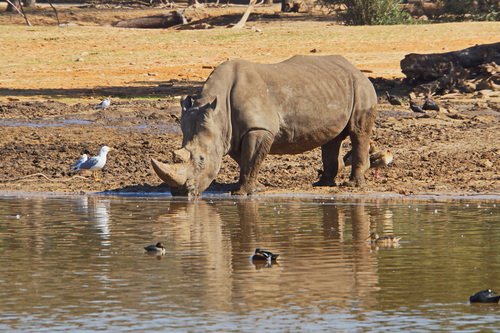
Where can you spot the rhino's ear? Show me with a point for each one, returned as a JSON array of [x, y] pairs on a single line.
[[212, 105], [186, 102]]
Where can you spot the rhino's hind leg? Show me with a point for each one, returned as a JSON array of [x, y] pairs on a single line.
[[254, 149], [360, 158], [332, 161]]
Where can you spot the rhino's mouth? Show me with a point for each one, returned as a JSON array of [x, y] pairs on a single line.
[[188, 189], [182, 191]]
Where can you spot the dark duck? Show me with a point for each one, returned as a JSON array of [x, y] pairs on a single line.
[[156, 249], [485, 296], [264, 255]]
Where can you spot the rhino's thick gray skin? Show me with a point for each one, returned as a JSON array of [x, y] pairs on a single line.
[[249, 110]]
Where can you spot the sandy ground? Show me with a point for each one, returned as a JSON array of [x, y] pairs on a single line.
[[53, 76]]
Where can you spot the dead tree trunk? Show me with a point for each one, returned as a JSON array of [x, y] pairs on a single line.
[[241, 23], [154, 22], [463, 70]]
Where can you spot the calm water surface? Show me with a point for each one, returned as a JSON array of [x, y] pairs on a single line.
[[77, 264]]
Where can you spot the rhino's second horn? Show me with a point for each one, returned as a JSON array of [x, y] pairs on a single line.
[[181, 155]]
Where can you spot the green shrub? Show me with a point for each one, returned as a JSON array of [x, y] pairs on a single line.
[[373, 12]]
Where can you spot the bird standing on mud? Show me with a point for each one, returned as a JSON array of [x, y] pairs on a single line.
[[429, 104], [76, 166], [415, 107], [393, 100], [104, 104], [380, 160], [94, 163]]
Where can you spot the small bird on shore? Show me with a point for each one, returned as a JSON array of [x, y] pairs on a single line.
[[156, 249], [429, 104], [95, 163], [485, 296], [393, 100], [415, 107], [380, 160], [104, 104], [264, 255], [76, 166], [386, 240]]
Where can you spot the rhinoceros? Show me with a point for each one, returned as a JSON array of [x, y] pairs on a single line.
[[249, 110]]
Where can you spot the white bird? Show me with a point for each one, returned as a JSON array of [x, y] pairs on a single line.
[[79, 162], [96, 163], [104, 104]]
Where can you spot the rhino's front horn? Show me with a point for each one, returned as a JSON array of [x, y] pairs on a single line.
[[174, 175]]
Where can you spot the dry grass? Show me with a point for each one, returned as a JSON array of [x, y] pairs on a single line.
[[95, 56]]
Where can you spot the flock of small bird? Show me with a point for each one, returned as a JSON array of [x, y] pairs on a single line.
[[429, 104]]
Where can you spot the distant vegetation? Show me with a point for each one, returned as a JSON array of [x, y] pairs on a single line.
[[355, 12], [361, 12]]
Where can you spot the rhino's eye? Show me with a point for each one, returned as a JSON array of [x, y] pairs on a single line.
[[201, 161]]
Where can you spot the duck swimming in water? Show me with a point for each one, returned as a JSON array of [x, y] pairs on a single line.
[[264, 255], [156, 249], [386, 240], [485, 296]]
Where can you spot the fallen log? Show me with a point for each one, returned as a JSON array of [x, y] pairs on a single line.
[[466, 70], [154, 22]]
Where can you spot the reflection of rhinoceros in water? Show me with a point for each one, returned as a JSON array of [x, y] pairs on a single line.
[[248, 110]]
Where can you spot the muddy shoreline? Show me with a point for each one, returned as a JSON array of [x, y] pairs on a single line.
[[455, 151], [47, 99]]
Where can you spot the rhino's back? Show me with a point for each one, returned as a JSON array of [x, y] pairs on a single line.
[[304, 101]]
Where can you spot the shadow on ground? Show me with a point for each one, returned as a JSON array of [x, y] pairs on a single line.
[[163, 89]]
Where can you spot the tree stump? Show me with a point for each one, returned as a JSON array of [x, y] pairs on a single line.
[[464, 70], [154, 22]]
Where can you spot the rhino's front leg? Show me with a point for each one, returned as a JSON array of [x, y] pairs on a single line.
[[332, 161], [254, 148]]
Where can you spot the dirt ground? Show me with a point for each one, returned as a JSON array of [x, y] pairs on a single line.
[[51, 78]]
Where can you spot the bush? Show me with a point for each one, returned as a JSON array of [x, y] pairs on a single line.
[[372, 12]]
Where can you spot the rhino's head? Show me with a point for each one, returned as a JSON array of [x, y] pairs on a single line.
[[198, 161]]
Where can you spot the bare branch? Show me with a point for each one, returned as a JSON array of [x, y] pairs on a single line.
[[21, 12], [244, 18], [55, 11]]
